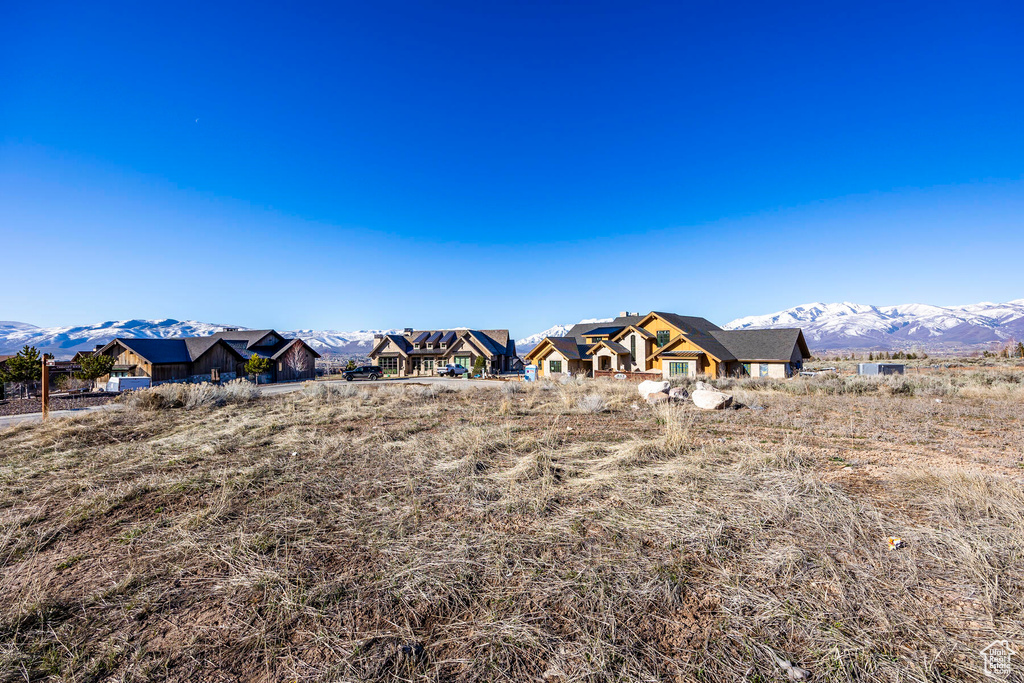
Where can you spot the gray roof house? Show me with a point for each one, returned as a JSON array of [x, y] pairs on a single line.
[[422, 352], [670, 345], [222, 355]]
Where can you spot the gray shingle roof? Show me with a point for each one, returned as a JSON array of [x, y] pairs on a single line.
[[580, 330], [763, 344], [699, 331], [158, 350], [616, 347], [569, 347]]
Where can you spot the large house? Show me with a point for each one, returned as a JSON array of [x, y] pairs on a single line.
[[670, 345], [420, 352], [222, 356]]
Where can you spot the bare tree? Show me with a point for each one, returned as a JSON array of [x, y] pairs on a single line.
[[296, 360]]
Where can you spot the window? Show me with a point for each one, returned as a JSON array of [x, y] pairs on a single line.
[[632, 347], [555, 366], [679, 369], [428, 364], [746, 370], [388, 365], [663, 336], [763, 371], [464, 361]]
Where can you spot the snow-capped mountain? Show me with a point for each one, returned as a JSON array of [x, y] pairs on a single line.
[[848, 325], [527, 343], [64, 342]]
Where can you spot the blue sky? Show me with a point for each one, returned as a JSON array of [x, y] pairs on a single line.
[[359, 165]]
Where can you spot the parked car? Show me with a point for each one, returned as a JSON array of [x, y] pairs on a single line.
[[451, 370], [371, 372]]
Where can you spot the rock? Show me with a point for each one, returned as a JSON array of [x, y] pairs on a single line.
[[703, 386], [678, 394], [711, 399], [649, 386], [657, 397]]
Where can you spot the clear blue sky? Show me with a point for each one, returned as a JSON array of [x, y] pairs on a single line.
[[389, 164]]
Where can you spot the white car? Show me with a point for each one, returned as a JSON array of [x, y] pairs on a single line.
[[451, 370]]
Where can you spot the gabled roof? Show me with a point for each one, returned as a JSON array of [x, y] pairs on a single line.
[[250, 337], [631, 328], [182, 350], [154, 350], [698, 331], [289, 344], [567, 346], [614, 347], [580, 330], [754, 345], [401, 342], [488, 342]]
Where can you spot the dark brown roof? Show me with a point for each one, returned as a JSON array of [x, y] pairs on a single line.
[[580, 330], [569, 347], [698, 330], [495, 342], [615, 347], [775, 344]]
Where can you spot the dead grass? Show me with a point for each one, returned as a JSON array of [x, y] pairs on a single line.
[[399, 533]]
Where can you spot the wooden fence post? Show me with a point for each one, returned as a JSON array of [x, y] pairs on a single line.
[[46, 389]]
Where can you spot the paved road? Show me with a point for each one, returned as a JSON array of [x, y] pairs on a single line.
[[268, 390]]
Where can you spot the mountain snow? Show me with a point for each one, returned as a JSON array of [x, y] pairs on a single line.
[[527, 343], [64, 342], [843, 325], [849, 325]]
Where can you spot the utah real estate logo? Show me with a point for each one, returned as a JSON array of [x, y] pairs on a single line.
[[997, 658]]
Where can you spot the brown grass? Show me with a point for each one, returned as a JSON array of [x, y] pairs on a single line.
[[401, 533]]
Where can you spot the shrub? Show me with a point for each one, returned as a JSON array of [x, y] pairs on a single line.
[[509, 388], [190, 396], [592, 403]]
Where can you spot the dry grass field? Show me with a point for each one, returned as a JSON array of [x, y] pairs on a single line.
[[555, 533]]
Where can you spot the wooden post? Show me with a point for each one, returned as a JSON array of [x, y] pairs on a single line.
[[46, 388]]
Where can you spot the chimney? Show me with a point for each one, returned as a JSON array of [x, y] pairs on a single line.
[[229, 329], [623, 314], [378, 337], [98, 347], [408, 330]]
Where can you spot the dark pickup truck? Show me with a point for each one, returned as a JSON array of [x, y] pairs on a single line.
[[363, 372]]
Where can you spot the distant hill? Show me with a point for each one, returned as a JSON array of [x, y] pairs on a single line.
[[859, 326], [64, 342], [848, 326]]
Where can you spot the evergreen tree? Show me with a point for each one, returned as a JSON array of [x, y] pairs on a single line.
[[94, 367], [257, 365], [351, 365], [25, 366], [478, 366]]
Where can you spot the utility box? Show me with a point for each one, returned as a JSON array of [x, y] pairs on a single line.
[[530, 373], [119, 384], [880, 368]]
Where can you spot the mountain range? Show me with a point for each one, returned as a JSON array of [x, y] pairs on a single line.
[[858, 326], [826, 327], [888, 328], [64, 342]]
